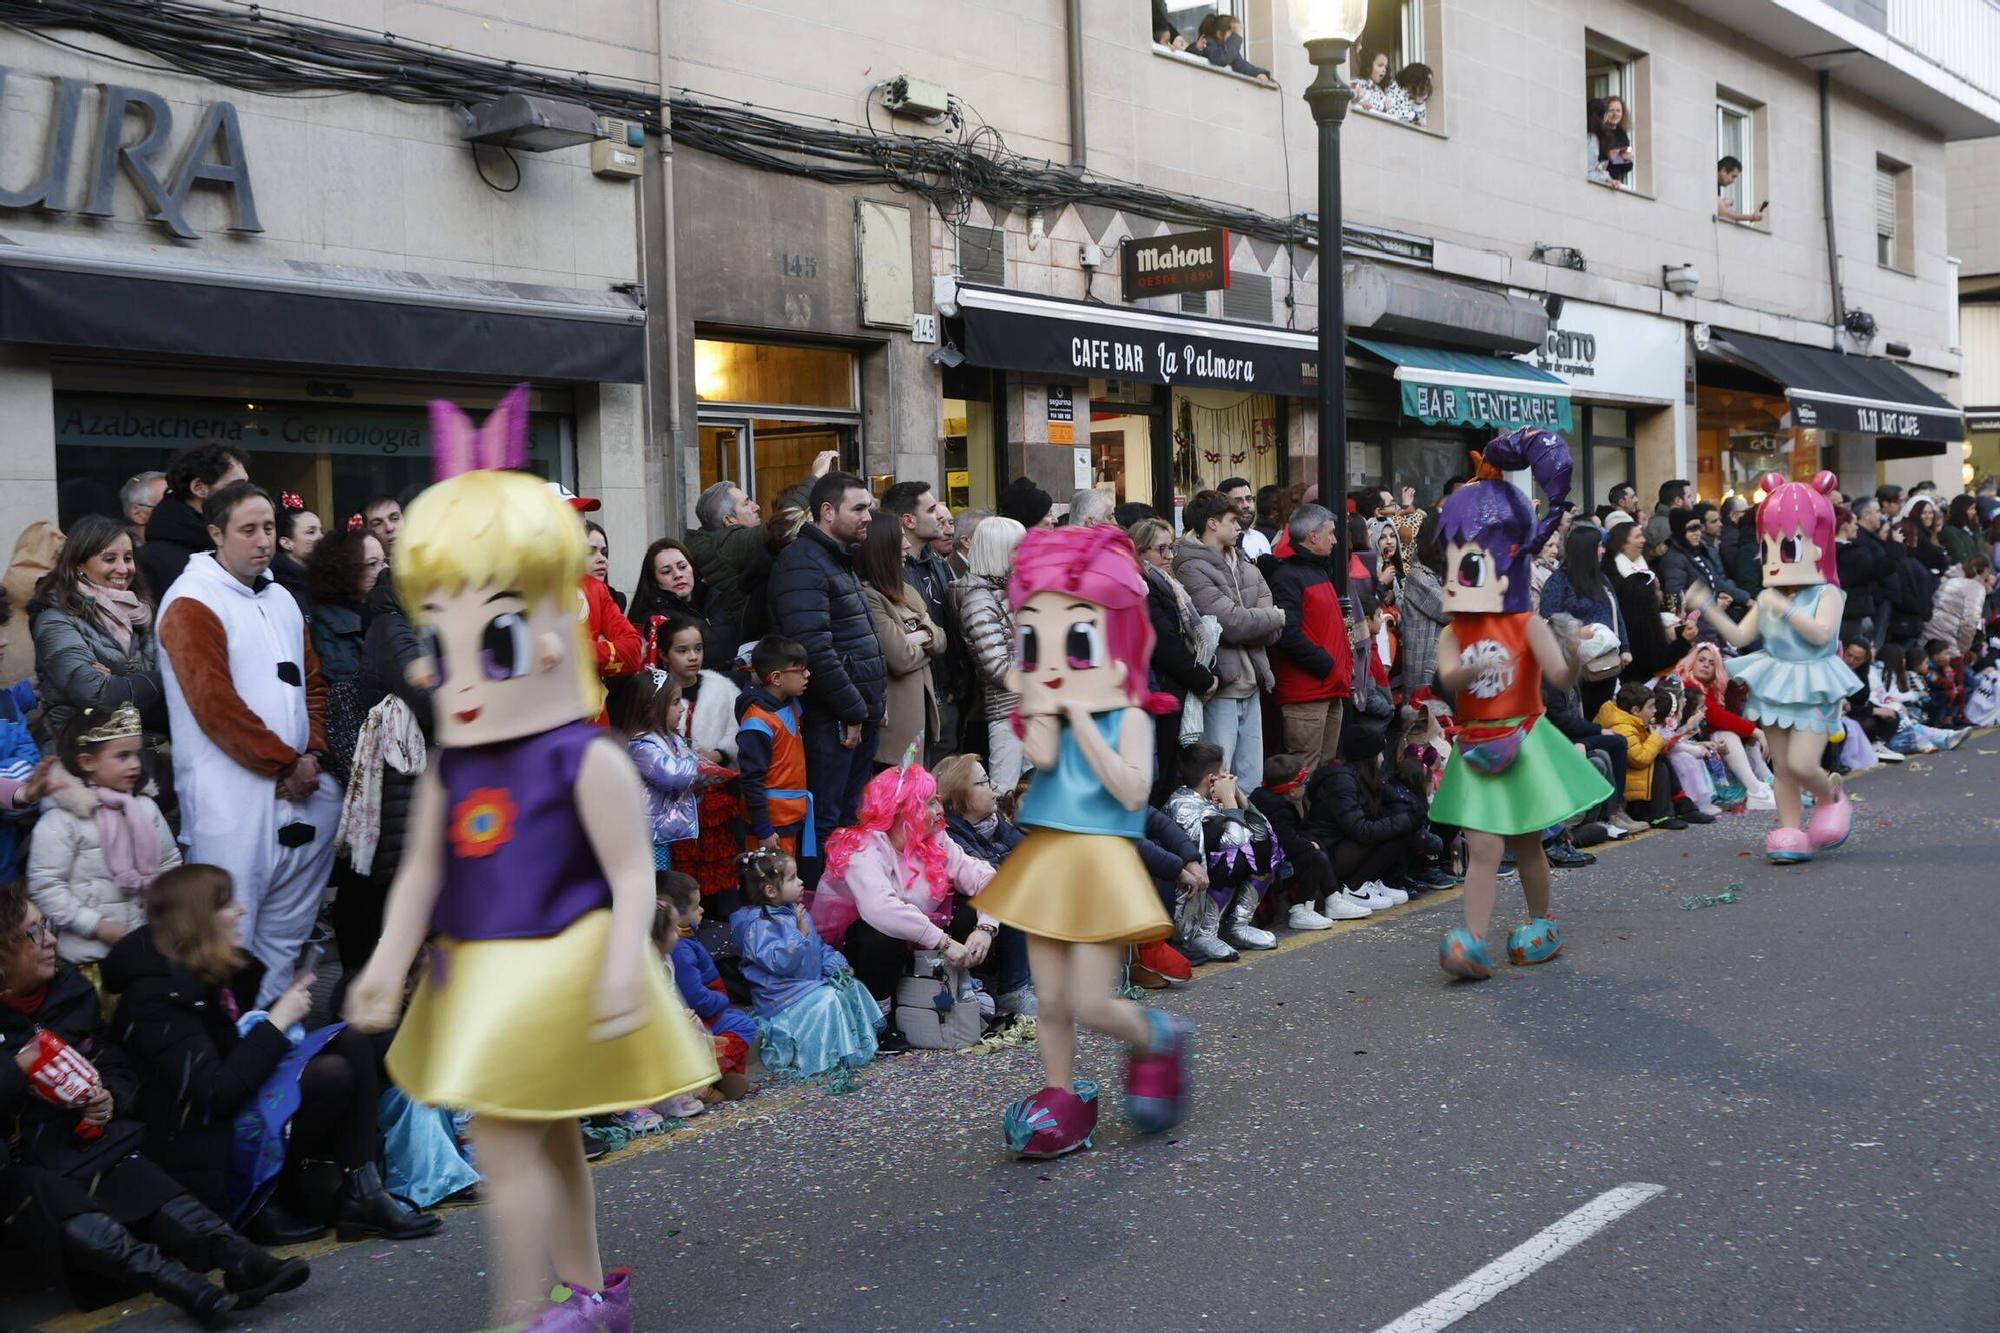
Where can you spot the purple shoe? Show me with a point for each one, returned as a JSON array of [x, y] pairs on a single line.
[[574, 1309], [1831, 821], [1156, 1079], [1052, 1122]]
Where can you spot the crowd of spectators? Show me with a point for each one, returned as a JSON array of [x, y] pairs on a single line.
[[207, 765]]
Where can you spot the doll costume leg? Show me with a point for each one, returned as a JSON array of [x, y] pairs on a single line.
[[543, 1218]]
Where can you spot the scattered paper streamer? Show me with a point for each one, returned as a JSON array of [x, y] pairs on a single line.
[[1693, 901]]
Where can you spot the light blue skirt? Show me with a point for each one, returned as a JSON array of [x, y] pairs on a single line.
[[420, 1155], [834, 1024], [1804, 696]]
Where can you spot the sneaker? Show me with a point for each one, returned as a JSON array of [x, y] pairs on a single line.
[[1761, 801], [1373, 897], [1389, 891], [1629, 824], [1429, 877], [1020, 1000], [1165, 959], [1302, 917], [1209, 949], [1887, 755], [1244, 936], [1670, 822], [1344, 906], [1694, 815], [1564, 856], [1957, 738], [1712, 809], [1612, 831]]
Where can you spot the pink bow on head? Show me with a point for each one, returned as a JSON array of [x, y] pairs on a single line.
[[501, 441]]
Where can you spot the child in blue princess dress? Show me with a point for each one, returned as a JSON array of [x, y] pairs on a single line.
[[811, 1013]]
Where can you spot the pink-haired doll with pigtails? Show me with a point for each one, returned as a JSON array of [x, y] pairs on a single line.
[[1798, 681], [1075, 885]]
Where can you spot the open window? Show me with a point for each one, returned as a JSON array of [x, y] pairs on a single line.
[[1396, 68], [1741, 188], [1618, 128], [1895, 240], [1184, 27]]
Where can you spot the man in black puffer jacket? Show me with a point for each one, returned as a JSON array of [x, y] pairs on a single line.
[[816, 599], [177, 530], [1870, 573]]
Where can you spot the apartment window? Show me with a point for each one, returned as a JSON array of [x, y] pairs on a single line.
[[1895, 246], [1177, 26], [1395, 67], [1616, 87], [1739, 157]]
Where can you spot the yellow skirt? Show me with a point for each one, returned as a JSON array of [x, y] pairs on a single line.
[[1086, 888], [506, 1032]]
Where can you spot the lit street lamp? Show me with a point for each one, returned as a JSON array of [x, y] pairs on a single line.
[[1330, 28]]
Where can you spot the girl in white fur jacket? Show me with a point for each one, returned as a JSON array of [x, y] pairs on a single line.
[[99, 842]]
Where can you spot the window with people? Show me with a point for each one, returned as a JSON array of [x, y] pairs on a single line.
[[1217, 31], [1615, 76], [1387, 68], [1739, 151]]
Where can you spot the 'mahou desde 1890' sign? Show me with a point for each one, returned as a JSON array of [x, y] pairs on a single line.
[[1188, 261]]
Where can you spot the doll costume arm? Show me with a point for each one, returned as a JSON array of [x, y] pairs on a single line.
[[1453, 673], [613, 812], [1042, 739], [1738, 633], [1127, 772]]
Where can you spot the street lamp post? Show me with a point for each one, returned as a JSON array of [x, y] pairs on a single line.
[[1329, 32]]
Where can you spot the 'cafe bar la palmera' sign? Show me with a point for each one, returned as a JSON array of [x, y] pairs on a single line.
[[212, 156]]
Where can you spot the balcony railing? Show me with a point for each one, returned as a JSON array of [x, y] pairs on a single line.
[[1959, 36]]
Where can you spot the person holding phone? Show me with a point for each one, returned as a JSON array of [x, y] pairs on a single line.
[[1727, 171]]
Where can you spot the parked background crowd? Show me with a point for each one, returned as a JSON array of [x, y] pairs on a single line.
[[219, 711]]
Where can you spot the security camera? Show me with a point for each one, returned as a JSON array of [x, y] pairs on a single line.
[[1680, 279]]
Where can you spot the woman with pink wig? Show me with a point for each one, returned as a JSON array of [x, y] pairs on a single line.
[[1798, 680], [1738, 740], [888, 884], [1075, 885]]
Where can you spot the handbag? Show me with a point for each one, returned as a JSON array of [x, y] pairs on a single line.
[[1607, 665], [935, 1009]]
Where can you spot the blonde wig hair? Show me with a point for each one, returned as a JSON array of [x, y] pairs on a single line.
[[491, 529]]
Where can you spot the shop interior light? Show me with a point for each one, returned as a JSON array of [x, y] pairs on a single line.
[[1332, 20]]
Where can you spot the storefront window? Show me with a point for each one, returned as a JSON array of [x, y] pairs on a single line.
[[967, 438], [1741, 435], [1608, 459], [768, 409], [334, 457], [1218, 434]]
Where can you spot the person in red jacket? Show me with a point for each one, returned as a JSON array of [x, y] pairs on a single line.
[[616, 643], [1311, 661], [1740, 740]]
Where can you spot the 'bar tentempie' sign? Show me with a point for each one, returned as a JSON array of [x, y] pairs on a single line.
[[1189, 261]]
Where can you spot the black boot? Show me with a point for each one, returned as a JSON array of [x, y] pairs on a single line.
[[368, 1209], [95, 1242], [205, 1241], [274, 1226]]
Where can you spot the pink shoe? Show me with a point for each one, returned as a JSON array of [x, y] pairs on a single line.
[[1156, 1078], [573, 1309], [1052, 1122], [1831, 820], [1787, 845]]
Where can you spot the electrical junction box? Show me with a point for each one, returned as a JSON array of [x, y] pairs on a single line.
[[906, 96], [621, 154]]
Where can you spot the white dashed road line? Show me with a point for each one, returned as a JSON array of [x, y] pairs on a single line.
[[1521, 1262]]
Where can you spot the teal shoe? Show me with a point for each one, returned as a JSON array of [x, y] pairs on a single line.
[[1534, 941], [1463, 955]]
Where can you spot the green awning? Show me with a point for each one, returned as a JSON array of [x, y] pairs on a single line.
[[1451, 388]]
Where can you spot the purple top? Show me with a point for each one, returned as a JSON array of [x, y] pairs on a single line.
[[517, 861]]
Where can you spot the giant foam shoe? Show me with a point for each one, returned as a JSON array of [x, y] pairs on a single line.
[[1463, 955], [1053, 1121], [575, 1309], [1788, 846], [1156, 1077], [1535, 940], [1831, 821]]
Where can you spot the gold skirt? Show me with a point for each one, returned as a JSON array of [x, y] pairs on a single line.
[[506, 1033], [1086, 888]]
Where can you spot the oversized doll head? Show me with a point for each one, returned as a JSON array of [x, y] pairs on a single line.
[[488, 564], [1795, 525], [1489, 529], [1080, 627]]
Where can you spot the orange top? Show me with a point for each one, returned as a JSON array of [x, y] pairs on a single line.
[[1509, 683]]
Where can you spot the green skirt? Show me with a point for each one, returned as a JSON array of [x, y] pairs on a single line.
[[1546, 784]]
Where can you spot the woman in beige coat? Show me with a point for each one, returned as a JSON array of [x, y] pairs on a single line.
[[911, 641]]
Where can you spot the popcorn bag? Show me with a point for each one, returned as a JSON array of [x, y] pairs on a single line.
[[61, 1075]]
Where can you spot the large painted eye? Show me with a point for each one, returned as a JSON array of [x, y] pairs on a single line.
[[503, 647], [1474, 569], [1788, 550], [1084, 645], [1027, 648]]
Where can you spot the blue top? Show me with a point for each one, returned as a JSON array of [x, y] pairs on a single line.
[[1784, 643], [1072, 797], [18, 756], [782, 964]]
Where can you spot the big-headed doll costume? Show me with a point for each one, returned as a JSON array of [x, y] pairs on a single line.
[[524, 900]]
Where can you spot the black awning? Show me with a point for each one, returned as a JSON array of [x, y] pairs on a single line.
[[1010, 330], [1831, 391], [64, 306]]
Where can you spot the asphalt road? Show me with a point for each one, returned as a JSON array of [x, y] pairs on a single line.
[[1810, 1076]]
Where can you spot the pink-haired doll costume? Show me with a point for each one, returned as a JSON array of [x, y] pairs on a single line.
[[1798, 680], [1075, 885]]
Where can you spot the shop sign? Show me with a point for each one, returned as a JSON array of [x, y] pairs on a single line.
[[1611, 353], [1503, 409], [1188, 261], [162, 425], [1062, 414], [213, 155]]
